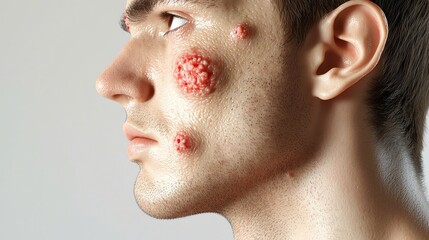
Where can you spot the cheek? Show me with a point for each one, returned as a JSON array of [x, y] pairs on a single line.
[[195, 74], [183, 143]]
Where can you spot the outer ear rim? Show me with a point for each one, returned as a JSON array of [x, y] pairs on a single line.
[[331, 84]]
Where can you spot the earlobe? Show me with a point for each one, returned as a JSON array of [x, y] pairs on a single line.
[[349, 44]]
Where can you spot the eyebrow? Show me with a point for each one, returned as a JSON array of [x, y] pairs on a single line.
[[141, 8]]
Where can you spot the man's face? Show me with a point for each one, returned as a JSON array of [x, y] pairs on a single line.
[[219, 95]]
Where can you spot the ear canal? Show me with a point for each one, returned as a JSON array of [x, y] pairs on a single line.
[[332, 60]]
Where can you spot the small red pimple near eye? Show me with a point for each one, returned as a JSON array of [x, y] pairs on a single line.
[[182, 143], [194, 74], [241, 31], [126, 24]]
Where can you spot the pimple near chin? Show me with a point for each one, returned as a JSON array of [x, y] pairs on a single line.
[[183, 142]]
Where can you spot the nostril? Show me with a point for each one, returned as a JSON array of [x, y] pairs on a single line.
[[121, 98], [151, 92], [142, 90]]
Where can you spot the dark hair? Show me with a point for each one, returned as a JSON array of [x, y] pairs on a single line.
[[398, 101]]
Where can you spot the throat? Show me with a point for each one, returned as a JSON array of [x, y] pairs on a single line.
[[340, 193]]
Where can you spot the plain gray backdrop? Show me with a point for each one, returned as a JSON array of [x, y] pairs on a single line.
[[64, 172]]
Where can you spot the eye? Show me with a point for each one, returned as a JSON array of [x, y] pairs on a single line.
[[174, 22]]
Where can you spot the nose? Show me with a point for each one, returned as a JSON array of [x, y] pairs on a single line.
[[126, 79]]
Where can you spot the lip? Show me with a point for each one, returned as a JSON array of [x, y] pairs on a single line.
[[139, 141]]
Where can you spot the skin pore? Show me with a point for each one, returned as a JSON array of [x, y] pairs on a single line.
[[272, 136]]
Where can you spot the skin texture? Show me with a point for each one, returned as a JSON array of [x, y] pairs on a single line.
[[283, 145]]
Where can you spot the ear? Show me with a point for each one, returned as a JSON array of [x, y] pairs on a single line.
[[346, 46]]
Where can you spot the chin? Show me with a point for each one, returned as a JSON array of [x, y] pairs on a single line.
[[161, 204], [166, 209]]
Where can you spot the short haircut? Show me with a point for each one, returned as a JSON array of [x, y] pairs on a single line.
[[397, 100]]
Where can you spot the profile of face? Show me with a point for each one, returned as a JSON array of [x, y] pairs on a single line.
[[212, 99]]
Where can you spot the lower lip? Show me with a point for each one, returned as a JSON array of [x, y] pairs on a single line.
[[139, 145]]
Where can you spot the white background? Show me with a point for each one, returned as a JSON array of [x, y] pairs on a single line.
[[64, 173]]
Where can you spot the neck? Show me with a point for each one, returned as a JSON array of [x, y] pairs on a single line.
[[342, 192]]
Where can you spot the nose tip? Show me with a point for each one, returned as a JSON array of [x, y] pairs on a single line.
[[124, 89], [100, 86], [122, 83], [105, 86]]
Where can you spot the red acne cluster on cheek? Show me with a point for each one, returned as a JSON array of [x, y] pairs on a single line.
[[241, 31], [183, 143], [194, 74]]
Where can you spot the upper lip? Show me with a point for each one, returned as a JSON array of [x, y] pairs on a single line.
[[132, 132]]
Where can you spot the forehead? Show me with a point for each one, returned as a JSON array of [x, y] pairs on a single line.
[[138, 8], [151, 3]]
